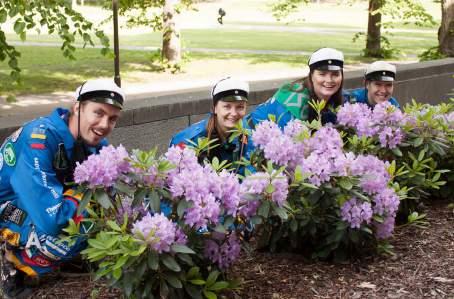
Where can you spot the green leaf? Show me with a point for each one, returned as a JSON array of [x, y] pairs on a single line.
[[270, 189], [212, 277], [120, 262], [155, 202], [199, 282], [113, 225], [220, 285], [209, 294], [280, 212], [124, 188], [193, 272], [153, 260], [264, 209], [396, 151], [170, 263], [103, 199], [182, 206], [84, 202], [96, 244], [173, 280], [3, 16], [345, 183], [182, 249], [117, 273], [19, 27]]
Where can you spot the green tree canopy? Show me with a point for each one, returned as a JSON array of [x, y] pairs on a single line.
[[57, 16]]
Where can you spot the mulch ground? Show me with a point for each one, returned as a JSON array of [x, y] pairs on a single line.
[[422, 267]]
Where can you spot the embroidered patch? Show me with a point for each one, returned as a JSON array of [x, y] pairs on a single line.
[[13, 214], [40, 146], [16, 135], [38, 136], [9, 155]]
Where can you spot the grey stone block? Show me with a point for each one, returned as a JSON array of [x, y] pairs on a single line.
[[148, 135]]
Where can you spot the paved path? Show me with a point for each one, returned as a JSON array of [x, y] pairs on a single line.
[[203, 50]]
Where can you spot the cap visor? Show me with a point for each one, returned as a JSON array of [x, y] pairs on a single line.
[[329, 68], [107, 101], [233, 98], [385, 78]]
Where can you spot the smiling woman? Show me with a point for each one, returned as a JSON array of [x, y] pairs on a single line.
[[228, 109], [291, 101]]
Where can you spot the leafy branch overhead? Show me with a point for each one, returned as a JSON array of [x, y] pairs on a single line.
[[56, 16]]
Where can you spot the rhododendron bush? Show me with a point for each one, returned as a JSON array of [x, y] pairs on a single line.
[[338, 202], [164, 226], [419, 140]]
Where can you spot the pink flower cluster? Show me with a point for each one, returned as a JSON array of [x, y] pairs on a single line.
[[384, 121], [223, 252], [210, 194], [255, 186], [104, 168], [158, 232], [321, 157]]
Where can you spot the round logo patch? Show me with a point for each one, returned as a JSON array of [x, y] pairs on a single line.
[[9, 155]]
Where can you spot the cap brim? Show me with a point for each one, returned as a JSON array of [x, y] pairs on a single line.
[[330, 67], [107, 101], [233, 98]]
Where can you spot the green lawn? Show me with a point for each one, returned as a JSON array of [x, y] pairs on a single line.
[[44, 69]]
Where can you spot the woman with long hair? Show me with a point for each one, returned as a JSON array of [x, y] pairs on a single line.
[[291, 101], [229, 98]]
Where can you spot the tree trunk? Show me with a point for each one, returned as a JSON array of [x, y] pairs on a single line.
[[446, 31], [373, 42], [171, 45]]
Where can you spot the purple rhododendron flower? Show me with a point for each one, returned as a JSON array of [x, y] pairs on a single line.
[[256, 184], [225, 254], [384, 230], [133, 213], [355, 212], [208, 192], [158, 232], [104, 168]]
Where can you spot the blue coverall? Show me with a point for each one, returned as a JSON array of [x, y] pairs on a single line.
[[34, 207]]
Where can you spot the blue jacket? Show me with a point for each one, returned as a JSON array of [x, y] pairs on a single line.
[[229, 151], [31, 195], [360, 96]]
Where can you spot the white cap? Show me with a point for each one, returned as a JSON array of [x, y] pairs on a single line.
[[326, 59], [229, 89], [380, 71], [101, 91]]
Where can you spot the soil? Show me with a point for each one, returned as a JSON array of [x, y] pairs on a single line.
[[422, 267]]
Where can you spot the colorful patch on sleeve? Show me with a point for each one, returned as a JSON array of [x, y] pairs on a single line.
[[16, 134], [9, 155], [39, 146], [38, 136]]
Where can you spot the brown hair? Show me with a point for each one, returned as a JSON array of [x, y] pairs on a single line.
[[334, 101]]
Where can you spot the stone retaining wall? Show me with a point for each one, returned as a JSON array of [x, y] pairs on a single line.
[[151, 121]]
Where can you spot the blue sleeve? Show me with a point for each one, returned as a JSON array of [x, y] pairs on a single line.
[[38, 190], [263, 111], [191, 133], [394, 102]]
